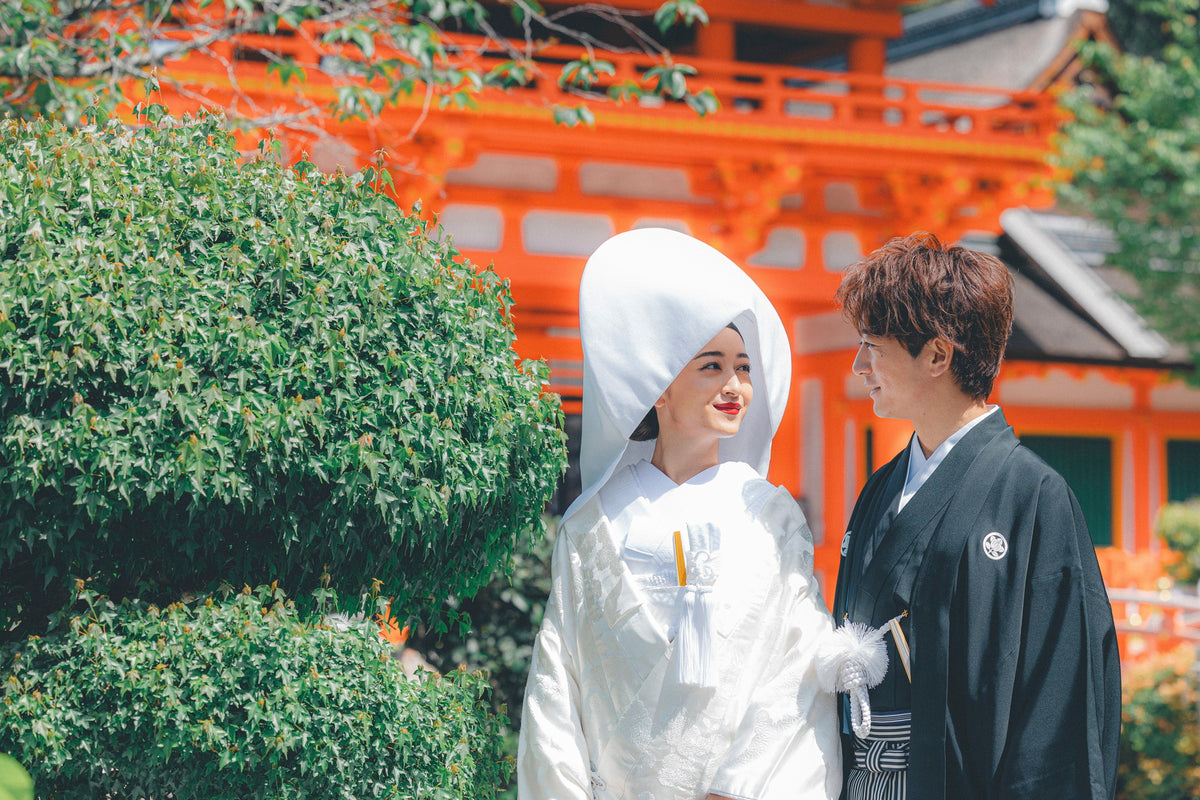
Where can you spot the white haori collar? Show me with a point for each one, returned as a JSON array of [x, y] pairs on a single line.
[[920, 468]]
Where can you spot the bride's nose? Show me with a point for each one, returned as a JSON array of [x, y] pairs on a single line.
[[733, 386]]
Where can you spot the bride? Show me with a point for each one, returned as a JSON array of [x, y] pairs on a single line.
[[676, 657]]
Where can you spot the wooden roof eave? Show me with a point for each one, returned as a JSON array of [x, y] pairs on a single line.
[[871, 18]]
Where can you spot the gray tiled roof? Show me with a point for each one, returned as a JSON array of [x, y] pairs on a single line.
[[1069, 306], [959, 21]]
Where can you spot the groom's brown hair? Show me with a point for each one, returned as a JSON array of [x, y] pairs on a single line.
[[914, 289]]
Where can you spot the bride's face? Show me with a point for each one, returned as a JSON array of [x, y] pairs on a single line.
[[712, 393]]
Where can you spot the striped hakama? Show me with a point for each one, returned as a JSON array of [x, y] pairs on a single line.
[[880, 770]]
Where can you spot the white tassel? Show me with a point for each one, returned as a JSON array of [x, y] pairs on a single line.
[[852, 655], [852, 659], [694, 644]]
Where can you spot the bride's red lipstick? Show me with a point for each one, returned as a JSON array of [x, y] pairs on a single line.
[[732, 409]]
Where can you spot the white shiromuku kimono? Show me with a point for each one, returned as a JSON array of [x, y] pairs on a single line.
[[607, 714], [604, 715]]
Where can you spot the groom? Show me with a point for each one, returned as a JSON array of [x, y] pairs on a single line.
[[1011, 688]]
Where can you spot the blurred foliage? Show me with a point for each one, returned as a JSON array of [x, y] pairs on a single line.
[[506, 616], [1132, 156], [1147, 569], [57, 55], [15, 782], [1142, 28], [220, 371], [239, 699], [1178, 525], [1160, 743]]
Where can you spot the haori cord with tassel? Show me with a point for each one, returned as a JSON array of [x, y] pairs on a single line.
[[853, 659]]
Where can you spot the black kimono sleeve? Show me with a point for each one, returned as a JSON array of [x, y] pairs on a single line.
[[1034, 699]]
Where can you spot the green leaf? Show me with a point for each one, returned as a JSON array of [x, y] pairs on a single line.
[[363, 39], [287, 69], [526, 10], [703, 103], [572, 116], [688, 12], [509, 74], [625, 91], [584, 73]]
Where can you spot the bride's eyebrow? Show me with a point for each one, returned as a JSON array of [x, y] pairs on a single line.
[[716, 354]]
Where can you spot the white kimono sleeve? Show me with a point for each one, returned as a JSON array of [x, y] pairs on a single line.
[[787, 744], [552, 760]]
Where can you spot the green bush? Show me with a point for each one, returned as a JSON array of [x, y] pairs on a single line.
[[221, 370], [1160, 744], [240, 699], [1178, 525]]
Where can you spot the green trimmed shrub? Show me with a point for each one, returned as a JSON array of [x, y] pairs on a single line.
[[240, 699], [1178, 525], [216, 370]]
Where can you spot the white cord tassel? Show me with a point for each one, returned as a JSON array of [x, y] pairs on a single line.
[[694, 659], [860, 711], [696, 647], [852, 659]]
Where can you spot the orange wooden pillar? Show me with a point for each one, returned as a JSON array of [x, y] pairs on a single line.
[[1137, 495], [717, 39], [786, 453], [867, 55]]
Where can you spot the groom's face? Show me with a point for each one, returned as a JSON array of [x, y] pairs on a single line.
[[896, 381]]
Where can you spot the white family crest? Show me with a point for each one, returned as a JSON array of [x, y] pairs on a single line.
[[845, 544], [995, 546]]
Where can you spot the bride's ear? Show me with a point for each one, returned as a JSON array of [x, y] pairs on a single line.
[[661, 402]]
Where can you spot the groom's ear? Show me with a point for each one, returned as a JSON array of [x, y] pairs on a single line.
[[938, 353]]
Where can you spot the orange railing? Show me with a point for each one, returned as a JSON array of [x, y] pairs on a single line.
[[759, 94], [1168, 613], [1153, 613], [1154, 622]]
